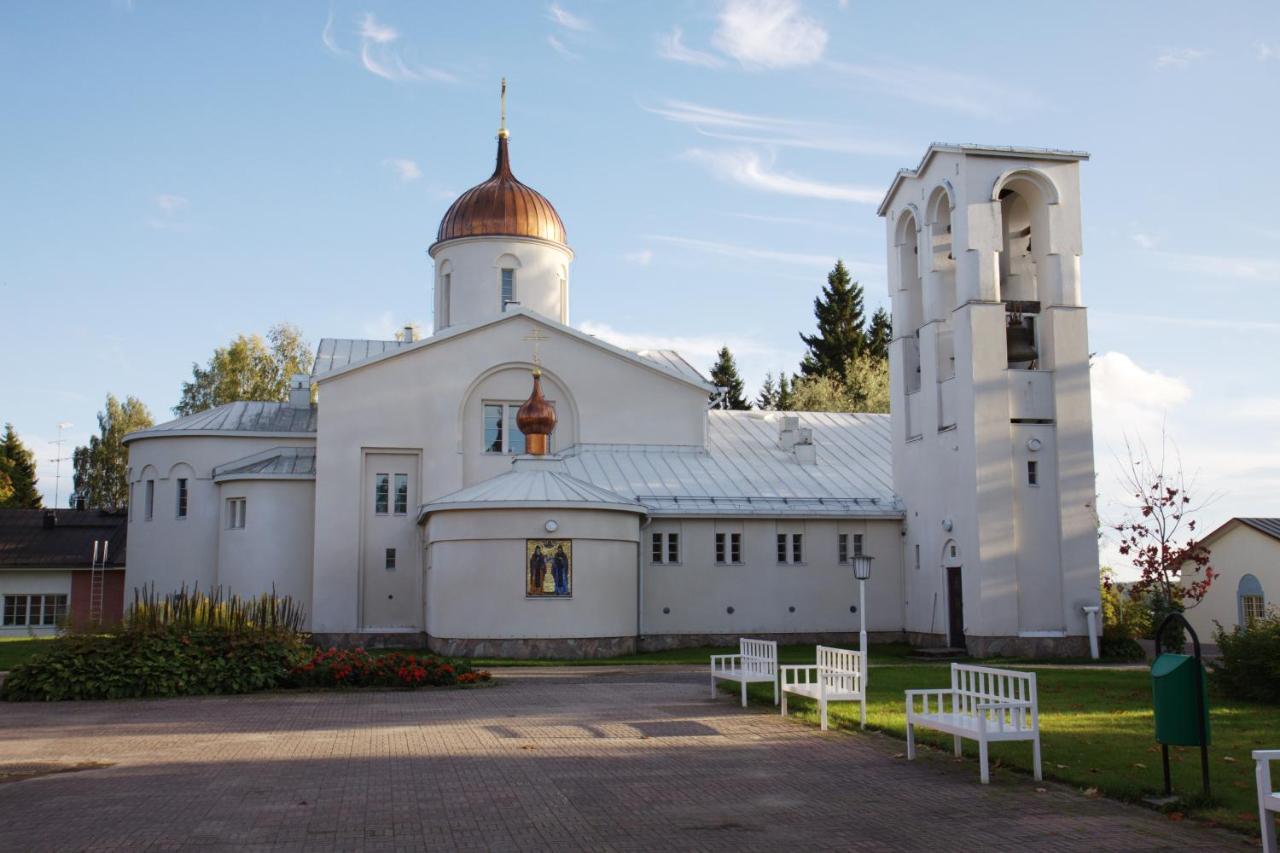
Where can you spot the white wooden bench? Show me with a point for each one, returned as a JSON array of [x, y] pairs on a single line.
[[983, 704], [836, 676], [1268, 798], [756, 660]]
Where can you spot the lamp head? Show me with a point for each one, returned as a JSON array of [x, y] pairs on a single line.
[[862, 567]]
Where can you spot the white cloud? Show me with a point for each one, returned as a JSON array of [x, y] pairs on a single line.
[[380, 56], [1179, 57], [567, 20], [559, 47], [1144, 241], [1225, 266], [1266, 52], [769, 34], [170, 208], [980, 97], [169, 204], [406, 170], [1129, 399], [746, 168], [671, 46], [756, 253], [641, 258], [327, 37], [716, 123]]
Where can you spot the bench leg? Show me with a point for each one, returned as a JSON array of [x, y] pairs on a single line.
[[1268, 819], [784, 703], [822, 706], [1035, 757], [744, 693], [911, 742], [775, 691], [958, 748], [864, 712], [982, 759]]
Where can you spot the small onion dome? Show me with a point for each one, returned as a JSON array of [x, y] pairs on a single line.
[[502, 207], [536, 418]]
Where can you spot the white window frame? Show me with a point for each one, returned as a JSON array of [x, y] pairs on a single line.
[[728, 550], [446, 296], [39, 609], [237, 512], [1251, 611], [664, 547], [789, 545], [505, 298], [382, 493], [397, 507], [182, 498], [389, 559], [1033, 473], [507, 427]]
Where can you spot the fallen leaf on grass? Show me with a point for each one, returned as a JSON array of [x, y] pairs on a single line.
[[1227, 758], [1042, 790], [1061, 766], [1139, 764], [1175, 816], [899, 755], [1092, 793]]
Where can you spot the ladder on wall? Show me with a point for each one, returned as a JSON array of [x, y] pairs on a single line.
[[97, 580]]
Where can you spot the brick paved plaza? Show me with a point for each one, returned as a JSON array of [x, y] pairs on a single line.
[[564, 759]]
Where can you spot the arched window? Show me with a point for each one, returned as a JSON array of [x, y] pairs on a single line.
[[908, 306], [1250, 603], [444, 300], [509, 290], [1024, 198]]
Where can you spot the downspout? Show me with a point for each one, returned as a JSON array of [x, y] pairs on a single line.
[[640, 581]]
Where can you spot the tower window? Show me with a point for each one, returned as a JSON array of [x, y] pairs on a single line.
[[508, 287], [402, 494], [182, 497], [844, 547], [236, 508], [150, 499], [917, 557], [1033, 473], [446, 282]]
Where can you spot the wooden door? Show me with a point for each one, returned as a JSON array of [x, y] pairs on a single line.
[[955, 608]]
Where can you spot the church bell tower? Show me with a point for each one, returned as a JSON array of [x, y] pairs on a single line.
[[989, 386]]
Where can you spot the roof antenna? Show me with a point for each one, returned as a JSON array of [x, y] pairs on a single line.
[[502, 128]]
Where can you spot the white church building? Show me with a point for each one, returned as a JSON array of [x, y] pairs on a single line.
[[411, 504]]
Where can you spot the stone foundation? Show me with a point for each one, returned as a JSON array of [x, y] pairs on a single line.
[[390, 640], [1028, 647], [849, 640], [921, 640], [554, 648]]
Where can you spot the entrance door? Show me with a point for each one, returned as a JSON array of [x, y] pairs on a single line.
[[390, 560], [955, 608]]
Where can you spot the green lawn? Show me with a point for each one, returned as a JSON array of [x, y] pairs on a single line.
[[16, 650], [1096, 732]]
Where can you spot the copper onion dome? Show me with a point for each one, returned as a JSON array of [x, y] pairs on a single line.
[[501, 207], [536, 418]]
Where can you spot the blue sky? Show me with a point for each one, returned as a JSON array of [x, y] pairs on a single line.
[[176, 173]]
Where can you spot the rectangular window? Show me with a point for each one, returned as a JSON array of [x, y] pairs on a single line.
[[446, 282], [381, 493], [721, 548], [735, 547], [1033, 475], [656, 554], [54, 611], [515, 438], [673, 547], [797, 550], [182, 497], [917, 557], [402, 494], [665, 548], [15, 609], [391, 558], [508, 287], [844, 547], [236, 508], [1253, 608], [150, 499], [493, 427], [782, 547], [857, 544]]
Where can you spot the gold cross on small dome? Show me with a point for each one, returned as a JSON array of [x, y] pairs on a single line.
[[536, 337]]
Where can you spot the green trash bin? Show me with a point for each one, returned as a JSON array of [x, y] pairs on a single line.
[[1173, 688]]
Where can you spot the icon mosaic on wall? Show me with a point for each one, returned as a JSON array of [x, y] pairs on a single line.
[[548, 566]]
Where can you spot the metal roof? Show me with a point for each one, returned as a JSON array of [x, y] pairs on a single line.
[[276, 463], [335, 353], [25, 542], [673, 361], [743, 471], [539, 487], [239, 417], [1269, 526]]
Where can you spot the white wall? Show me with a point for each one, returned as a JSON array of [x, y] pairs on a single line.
[[474, 265], [698, 591], [476, 575], [34, 583], [274, 546], [1238, 551]]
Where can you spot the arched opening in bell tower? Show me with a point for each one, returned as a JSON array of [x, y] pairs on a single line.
[[909, 307], [941, 296], [1024, 240]]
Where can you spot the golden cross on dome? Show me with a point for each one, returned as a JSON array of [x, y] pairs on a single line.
[[502, 127], [536, 337]]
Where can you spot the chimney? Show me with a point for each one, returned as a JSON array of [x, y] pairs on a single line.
[[788, 432], [50, 519], [410, 334], [300, 391], [805, 450]]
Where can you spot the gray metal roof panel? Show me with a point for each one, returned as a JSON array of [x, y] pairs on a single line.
[[245, 416], [274, 463], [1269, 526]]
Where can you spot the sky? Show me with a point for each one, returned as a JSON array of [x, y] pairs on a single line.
[[174, 174]]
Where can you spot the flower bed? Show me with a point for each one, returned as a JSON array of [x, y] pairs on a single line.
[[358, 668]]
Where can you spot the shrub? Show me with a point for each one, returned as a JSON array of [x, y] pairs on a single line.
[[1118, 645], [166, 662], [357, 668], [1249, 667]]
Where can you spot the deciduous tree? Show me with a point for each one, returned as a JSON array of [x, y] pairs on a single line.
[[101, 467], [249, 368]]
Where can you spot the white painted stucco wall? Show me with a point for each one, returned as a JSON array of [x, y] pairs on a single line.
[[273, 549], [1235, 552], [474, 269]]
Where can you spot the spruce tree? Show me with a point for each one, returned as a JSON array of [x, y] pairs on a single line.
[[879, 334], [724, 374], [18, 465], [840, 336], [786, 399], [767, 400]]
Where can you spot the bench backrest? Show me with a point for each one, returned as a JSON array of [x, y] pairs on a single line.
[[972, 685], [846, 666], [759, 656]]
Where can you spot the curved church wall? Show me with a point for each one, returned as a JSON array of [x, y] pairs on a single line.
[[477, 601], [273, 549], [474, 287]]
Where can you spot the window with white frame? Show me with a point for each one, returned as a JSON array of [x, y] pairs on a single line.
[[508, 287], [1033, 473], [402, 494], [446, 284], [390, 559], [381, 493], [849, 546], [501, 434], [38, 610], [728, 548], [182, 497], [1253, 607], [664, 547], [790, 547], [236, 510], [150, 499]]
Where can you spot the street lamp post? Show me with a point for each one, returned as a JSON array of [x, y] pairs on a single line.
[[862, 571]]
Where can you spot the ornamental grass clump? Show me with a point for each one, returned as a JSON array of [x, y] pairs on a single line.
[[358, 668]]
